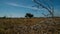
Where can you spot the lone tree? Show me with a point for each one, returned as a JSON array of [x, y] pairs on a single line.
[[29, 15]]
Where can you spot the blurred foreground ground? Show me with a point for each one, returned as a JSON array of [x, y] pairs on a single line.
[[29, 26]]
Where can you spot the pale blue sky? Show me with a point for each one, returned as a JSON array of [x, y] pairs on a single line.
[[18, 8]]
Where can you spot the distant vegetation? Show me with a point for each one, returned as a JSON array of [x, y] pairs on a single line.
[[29, 15], [3, 17]]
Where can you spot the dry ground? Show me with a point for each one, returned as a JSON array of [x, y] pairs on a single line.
[[13, 25]]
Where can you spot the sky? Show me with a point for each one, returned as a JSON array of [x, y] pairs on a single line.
[[18, 8]]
